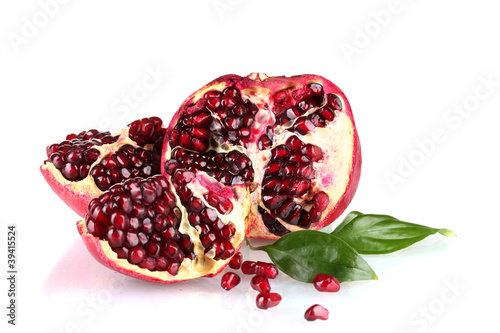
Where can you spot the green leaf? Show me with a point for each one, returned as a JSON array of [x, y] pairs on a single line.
[[305, 253], [348, 219], [379, 234]]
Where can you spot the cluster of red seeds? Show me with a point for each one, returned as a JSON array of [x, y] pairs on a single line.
[[140, 221], [288, 176], [262, 272], [128, 162], [228, 168], [74, 156]]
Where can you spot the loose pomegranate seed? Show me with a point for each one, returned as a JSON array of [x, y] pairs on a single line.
[[260, 283], [266, 269], [316, 312], [266, 300], [235, 262], [230, 280], [326, 283], [248, 267]]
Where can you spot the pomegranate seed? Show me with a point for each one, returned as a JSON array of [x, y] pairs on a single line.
[[230, 280], [266, 269], [266, 300], [320, 201], [326, 283], [136, 255], [249, 267], [294, 143], [316, 312], [334, 102], [232, 92], [235, 262], [316, 88], [211, 93], [304, 126], [260, 283], [314, 153]]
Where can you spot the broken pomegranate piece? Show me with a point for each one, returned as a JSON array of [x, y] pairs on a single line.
[[143, 229], [86, 164]]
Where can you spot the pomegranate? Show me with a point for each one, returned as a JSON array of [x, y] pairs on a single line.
[[86, 164], [143, 228], [316, 312], [292, 139]]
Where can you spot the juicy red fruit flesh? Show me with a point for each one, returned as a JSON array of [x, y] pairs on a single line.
[[139, 219], [316, 312], [230, 280], [326, 283]]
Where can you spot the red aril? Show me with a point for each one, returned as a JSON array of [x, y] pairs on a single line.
[[292, 139], [326, 283], [316, 312], [229, 280], [260, 283], [235, 262], [266, 300]]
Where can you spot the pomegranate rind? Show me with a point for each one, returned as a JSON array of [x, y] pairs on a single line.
[[258, 88], [202, 266]]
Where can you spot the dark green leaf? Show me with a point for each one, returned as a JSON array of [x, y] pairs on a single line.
[[304, 254], [379, 234]]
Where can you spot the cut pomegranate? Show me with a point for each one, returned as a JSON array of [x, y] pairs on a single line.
[[293, 139], [316, 312], [260, 283], [142, 229], [266, 300], [230, 280], [85, 164], [326, 283]]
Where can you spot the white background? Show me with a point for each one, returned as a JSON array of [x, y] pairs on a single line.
[[406, 77]]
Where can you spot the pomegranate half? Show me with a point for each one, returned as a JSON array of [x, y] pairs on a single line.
[[292, 140]]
